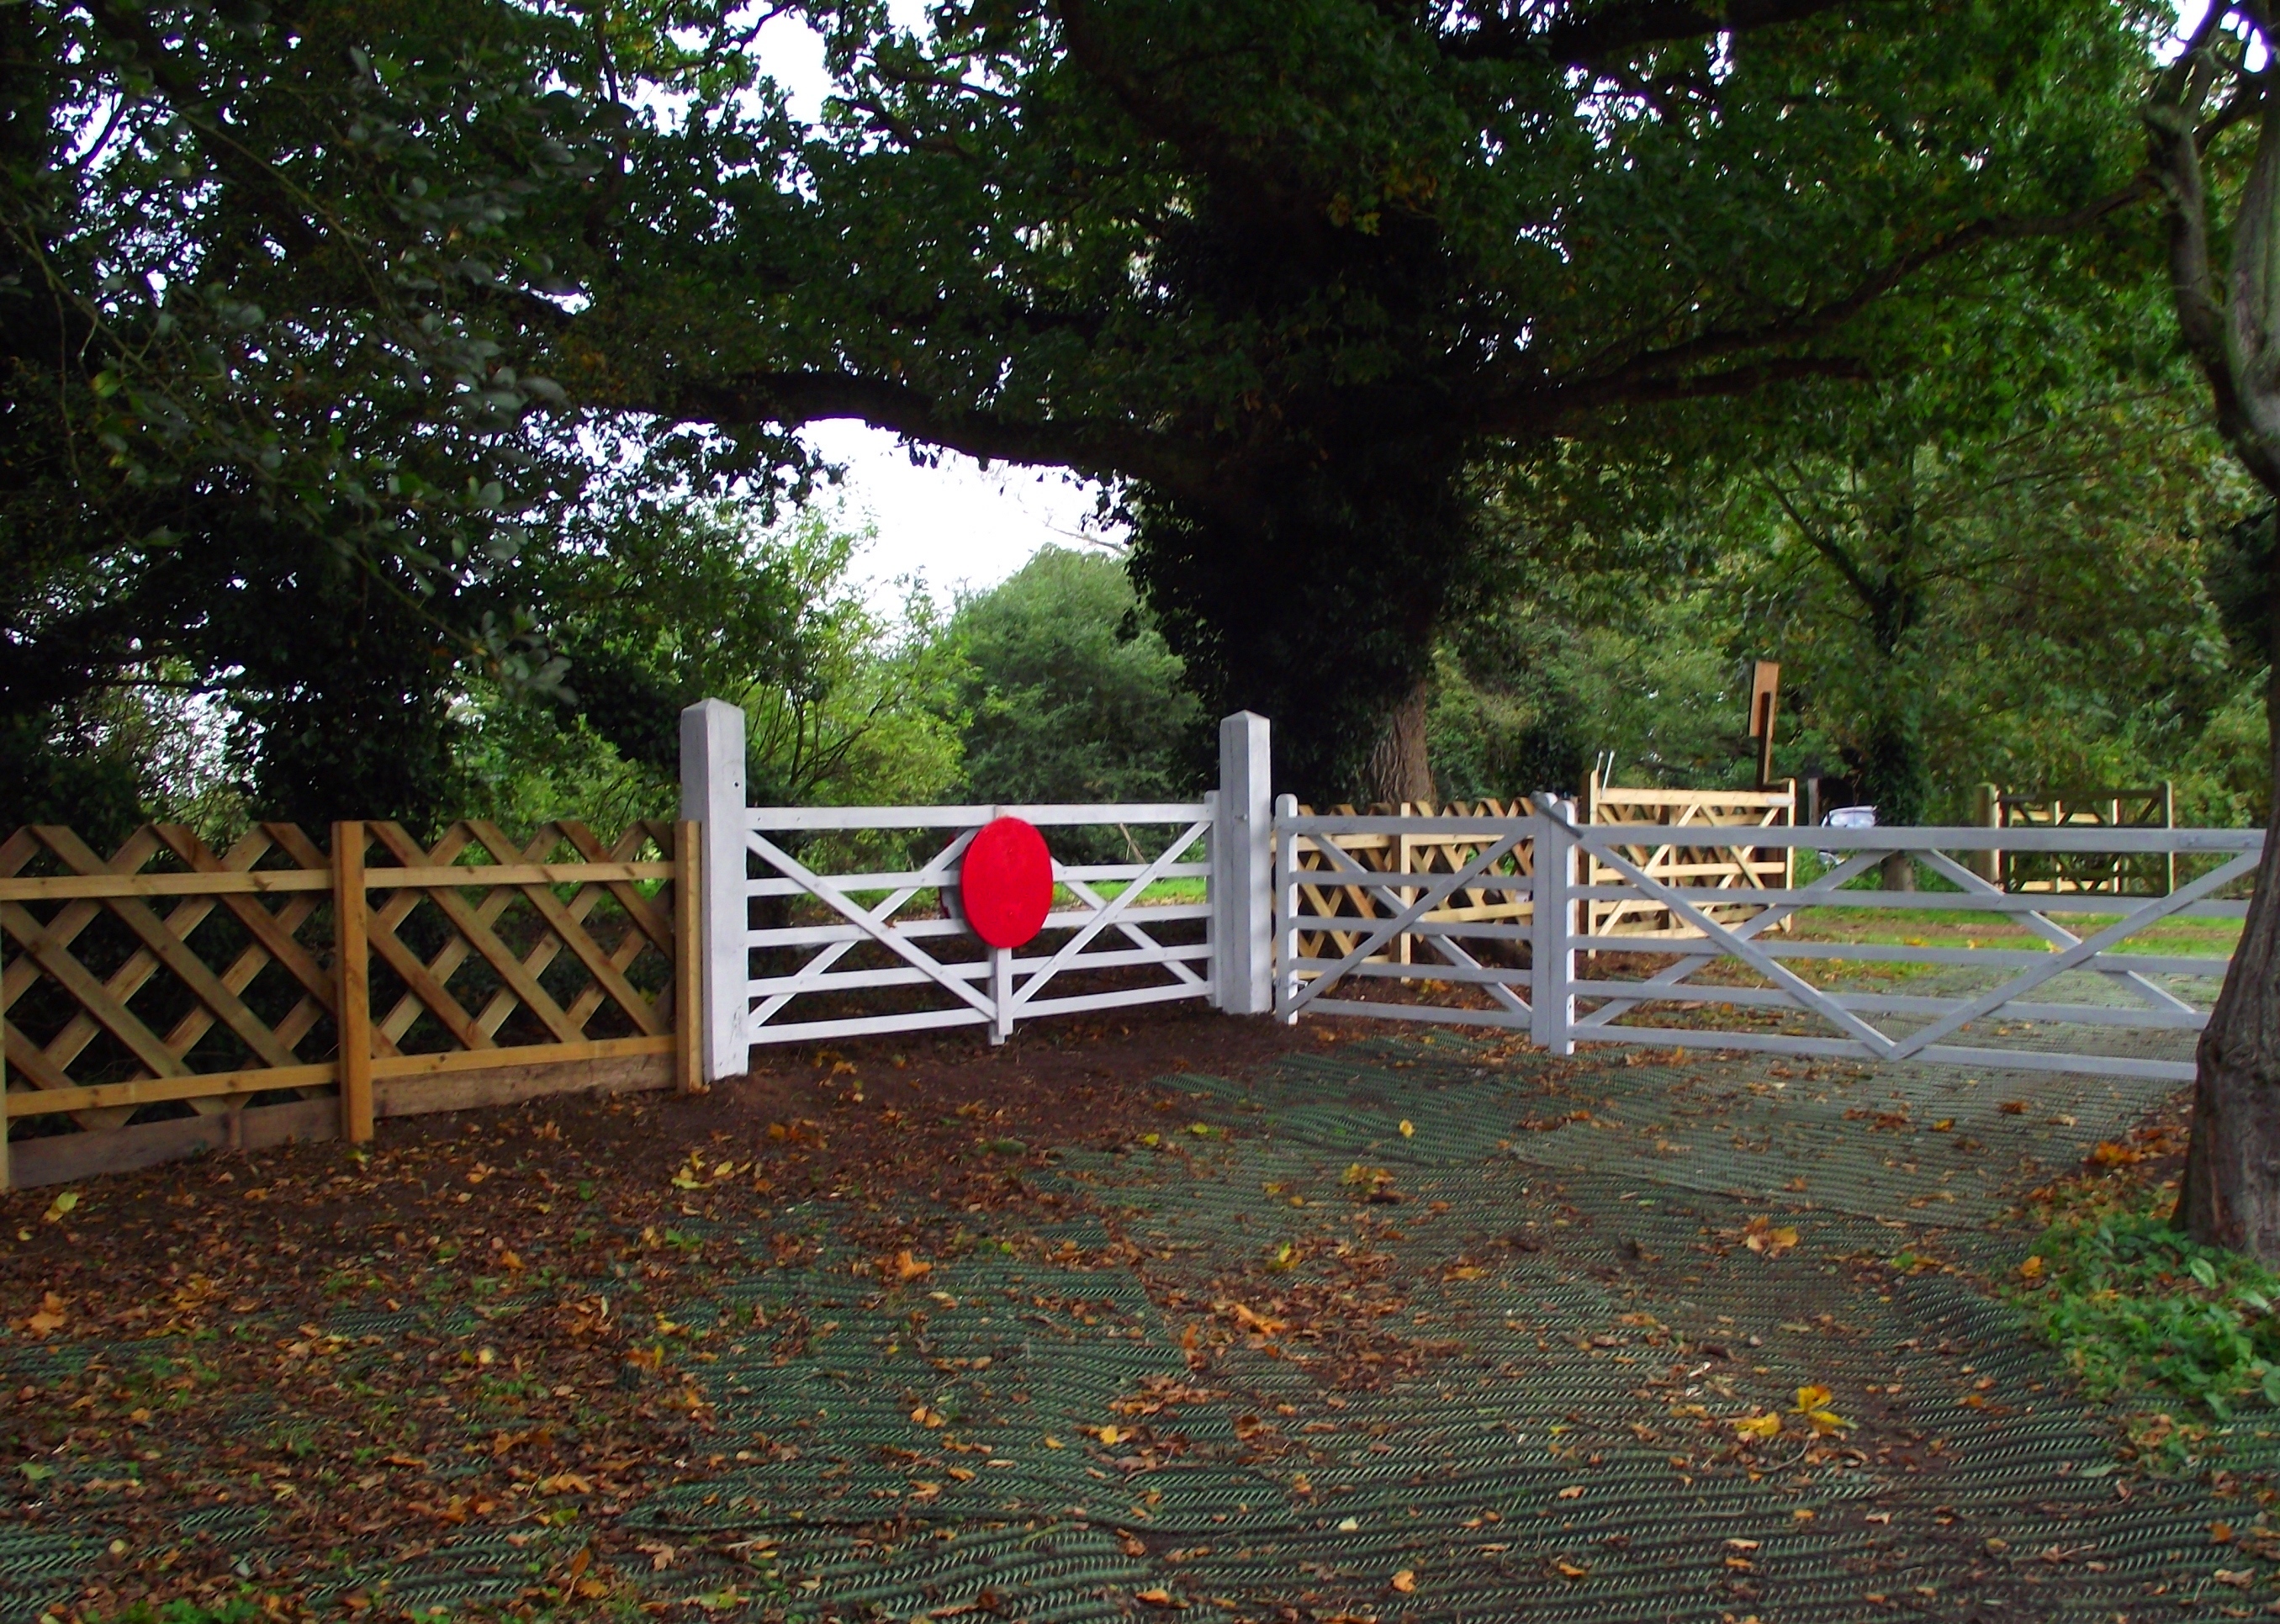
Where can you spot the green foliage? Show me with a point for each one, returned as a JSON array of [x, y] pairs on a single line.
[[1071, 692], [2139, 1311], [1284, 272], [235, 1610], [667, 604], [1527, 696]]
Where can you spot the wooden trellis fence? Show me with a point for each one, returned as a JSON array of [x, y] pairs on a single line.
[[2115, 873], [172, 997], [1429, 852], [1695, 860]]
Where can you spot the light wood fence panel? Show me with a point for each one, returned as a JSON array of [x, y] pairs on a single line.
[[172, 997], [1705, 857]]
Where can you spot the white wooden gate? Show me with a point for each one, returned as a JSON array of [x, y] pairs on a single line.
[[1738, 985], [841, 922]]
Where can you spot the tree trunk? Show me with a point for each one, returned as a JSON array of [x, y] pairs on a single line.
[[1399, 767], [2232, 1194]]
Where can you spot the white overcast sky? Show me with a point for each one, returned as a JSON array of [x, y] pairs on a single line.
[[954, 525]]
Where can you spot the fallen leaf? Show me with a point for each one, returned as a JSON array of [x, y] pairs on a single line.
[[1156, 1597], [1574, 1491], [1408, 1128], [60, 1206], [1812, 1404], [1759, 1425], [1760, 1236], [2031, 1269], [1405, 1581], [927, 1417], [1569, 1570], [50, 1316], [909, 1267]]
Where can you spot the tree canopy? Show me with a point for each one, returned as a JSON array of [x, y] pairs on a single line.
[[1282, 272]]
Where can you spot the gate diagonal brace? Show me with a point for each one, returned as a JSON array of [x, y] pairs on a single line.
[[892, 939], [809, 977], [1501, 992], [1804, 992], [1131, 932], [1429, 898], [1673, 977], [2026, 980], [1114, 913], [2056, 933]]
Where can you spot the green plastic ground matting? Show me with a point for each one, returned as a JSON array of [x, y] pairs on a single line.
[[1308, 1364]]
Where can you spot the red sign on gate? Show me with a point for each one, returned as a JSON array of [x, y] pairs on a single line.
[[1005, 882]]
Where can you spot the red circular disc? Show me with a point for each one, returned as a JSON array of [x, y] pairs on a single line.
[[1005, 882]]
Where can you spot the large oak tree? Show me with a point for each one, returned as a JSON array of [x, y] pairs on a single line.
[[1280, 271]]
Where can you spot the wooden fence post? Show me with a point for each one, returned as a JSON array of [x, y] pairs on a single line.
[[687, 959], [353, 954], [1988, 815]]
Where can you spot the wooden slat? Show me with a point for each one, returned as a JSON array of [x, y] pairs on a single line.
[[76, 980], [62, 888], [521, 1054], [153, 1091], [271, 930], [582, 946], [687, 961], [513, 873]]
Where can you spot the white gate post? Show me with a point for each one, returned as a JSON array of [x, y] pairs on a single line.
[[1242, 870], [1551, 1001], [712, 797]]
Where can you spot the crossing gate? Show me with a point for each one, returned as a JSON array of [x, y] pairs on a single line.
[[2038, 996], [826, 923], [822, 923]]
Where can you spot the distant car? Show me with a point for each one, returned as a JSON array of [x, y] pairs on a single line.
[[1848, 817]]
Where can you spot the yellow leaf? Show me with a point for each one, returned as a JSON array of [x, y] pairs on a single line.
[[508, 1260], [1405, 1581], [1759, 1425], [2031, 1269], [1157, 1597], [1109, 1435], [1810, 1399], [1569, 1570], [1574, 1491], [926, 1417], [909, 1267], [60, 1206], [961, 1474], [1408, 1128], [1053, 1443]]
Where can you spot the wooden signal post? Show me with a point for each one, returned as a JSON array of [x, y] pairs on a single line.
[[1765, 700]]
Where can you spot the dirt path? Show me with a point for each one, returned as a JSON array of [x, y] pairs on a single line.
[[1201, 1315]]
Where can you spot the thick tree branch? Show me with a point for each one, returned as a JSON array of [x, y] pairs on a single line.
[[791, 400]]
